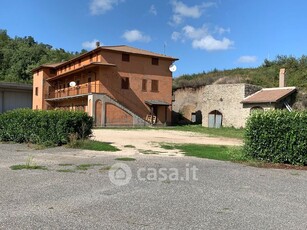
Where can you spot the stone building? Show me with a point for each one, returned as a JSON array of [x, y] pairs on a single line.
[[187, 105], [230, 105], [222, 105]]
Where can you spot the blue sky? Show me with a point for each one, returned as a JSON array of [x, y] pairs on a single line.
[[204, 35]]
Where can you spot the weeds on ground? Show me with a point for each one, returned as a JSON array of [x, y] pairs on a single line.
[[125, 159], [30, 165]]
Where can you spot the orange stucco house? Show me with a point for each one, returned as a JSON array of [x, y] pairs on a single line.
[[117, 85]]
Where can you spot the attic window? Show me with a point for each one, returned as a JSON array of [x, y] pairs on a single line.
[[126, 57], [155, 61]]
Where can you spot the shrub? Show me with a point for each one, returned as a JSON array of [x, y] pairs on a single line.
[[43, 127], [277, 136]]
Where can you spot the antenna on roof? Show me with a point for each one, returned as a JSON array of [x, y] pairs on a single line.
[[164, 47]]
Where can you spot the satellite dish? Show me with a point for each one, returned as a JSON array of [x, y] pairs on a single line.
[[172, 68], [72, 84]]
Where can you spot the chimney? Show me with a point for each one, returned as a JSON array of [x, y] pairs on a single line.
[[97, 44], [282, 73]]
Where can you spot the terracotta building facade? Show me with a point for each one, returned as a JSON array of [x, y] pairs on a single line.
[[117, 85]]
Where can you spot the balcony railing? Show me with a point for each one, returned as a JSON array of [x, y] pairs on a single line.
[[73, 91]]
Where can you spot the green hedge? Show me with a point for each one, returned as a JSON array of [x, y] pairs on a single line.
[[43, 127], [277, 136]]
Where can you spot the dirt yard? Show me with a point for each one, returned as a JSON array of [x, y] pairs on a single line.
[[135, 141]]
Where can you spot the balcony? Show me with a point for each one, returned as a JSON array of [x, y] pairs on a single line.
[[73, 91]]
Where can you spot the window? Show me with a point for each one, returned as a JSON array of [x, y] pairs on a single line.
[[155, 61], [144, 85], [36, 91], [125, 83], [125, 57], [154, 85], [79, 62]]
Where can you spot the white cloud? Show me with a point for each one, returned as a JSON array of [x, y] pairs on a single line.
[[195, 33], [182, 11], [101, 6], [221, 30], [247, 59], [176, 35], [136, 35], [209, 43], [153, 10], [89, 45], [201, 38]]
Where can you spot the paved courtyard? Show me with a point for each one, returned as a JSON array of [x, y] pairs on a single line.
[[218, 195]]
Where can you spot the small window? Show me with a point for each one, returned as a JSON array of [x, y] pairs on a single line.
[[125, 83], [79, 62], [155, 61], [144, 85], [154, 85], [125, 57], [36, 91]]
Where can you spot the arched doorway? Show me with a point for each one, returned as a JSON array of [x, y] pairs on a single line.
[[98, 113], [215, 119]]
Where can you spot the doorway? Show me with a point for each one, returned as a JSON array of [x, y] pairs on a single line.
[[215, 119]]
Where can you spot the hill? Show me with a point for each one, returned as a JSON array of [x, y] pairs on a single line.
[[266, 75], [18, 56]]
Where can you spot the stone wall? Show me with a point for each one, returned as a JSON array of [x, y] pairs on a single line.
[[187, 101], [224, 98]]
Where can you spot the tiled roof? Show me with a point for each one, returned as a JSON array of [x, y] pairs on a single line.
[[129, 49], [121, 48], [268, 95]]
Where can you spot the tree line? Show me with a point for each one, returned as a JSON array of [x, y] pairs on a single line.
[[19, 55]]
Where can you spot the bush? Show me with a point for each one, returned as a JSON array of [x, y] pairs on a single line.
[[43, 127], [277, 136]]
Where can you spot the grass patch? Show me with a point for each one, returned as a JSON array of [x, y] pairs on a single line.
[[105, 168], [29, 167], [66, 170], [221, 132], [129, 146], [167, 146], [125, 159], [93, 145], [86, 166], [148, 151], [65, 165], [215, 152]]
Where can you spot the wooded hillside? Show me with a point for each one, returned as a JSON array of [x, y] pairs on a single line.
[[18, 56], [266, 75]]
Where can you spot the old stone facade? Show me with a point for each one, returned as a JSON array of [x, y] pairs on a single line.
[[186, 103], [218, 102], [225, 100]]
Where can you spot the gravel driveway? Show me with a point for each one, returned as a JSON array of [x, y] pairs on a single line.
[[149, 140], [222, 195]]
